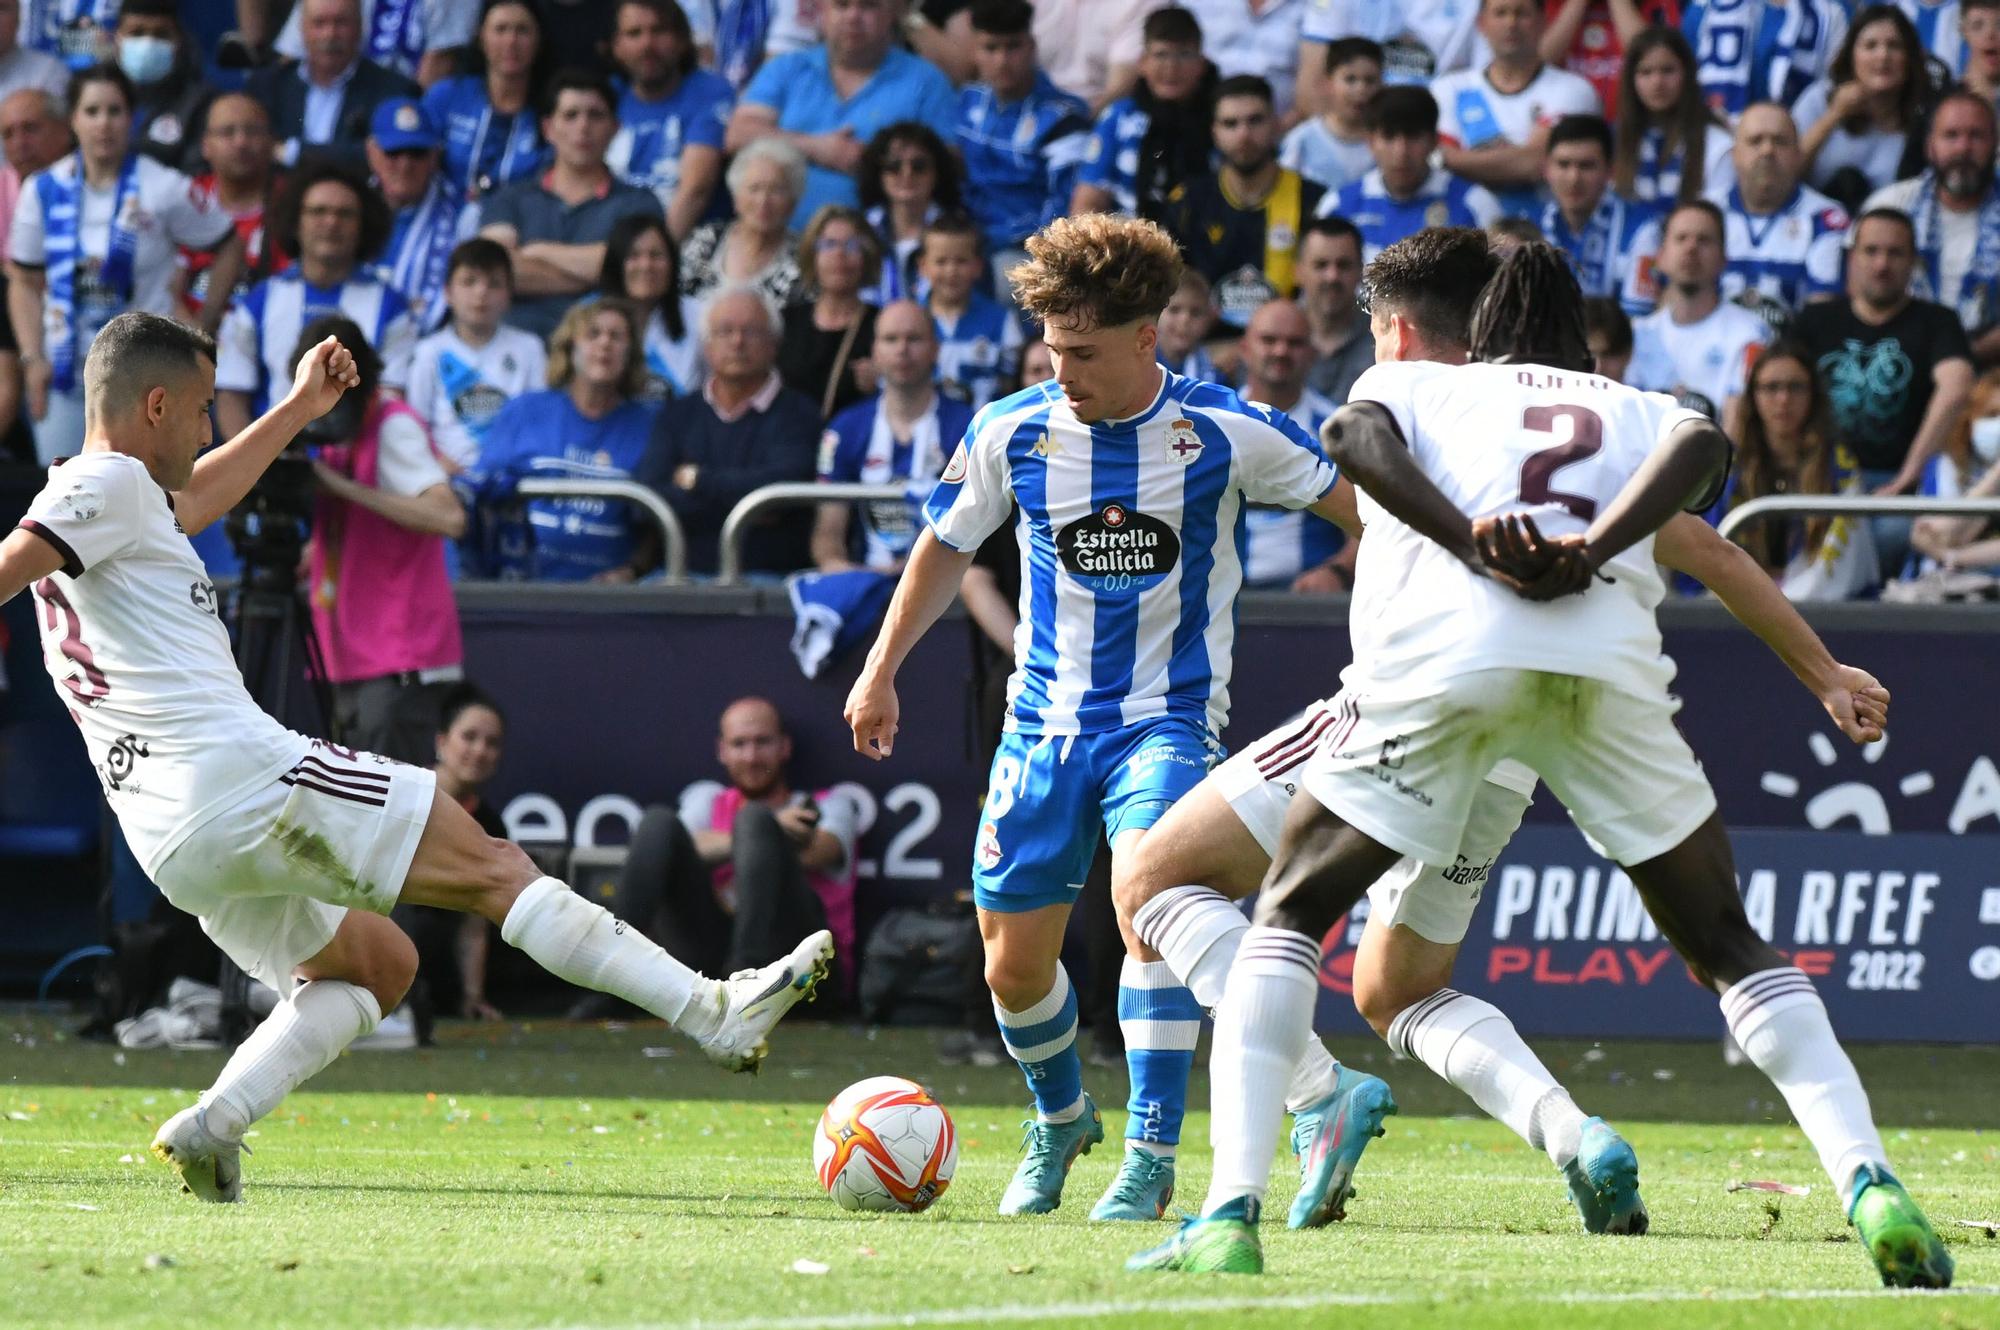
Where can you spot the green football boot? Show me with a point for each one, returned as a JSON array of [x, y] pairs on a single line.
[[1901, 1242], [1224, 1243]]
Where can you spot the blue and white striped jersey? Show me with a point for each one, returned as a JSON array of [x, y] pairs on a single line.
[[1132, 536], [1761, 50], [1442, 200], [259, 333], [1614, 253], [1020, 157], [1791, 255], [1281, 543], [1938, 31]]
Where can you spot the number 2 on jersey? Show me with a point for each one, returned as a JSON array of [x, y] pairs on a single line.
[[1538, 469]]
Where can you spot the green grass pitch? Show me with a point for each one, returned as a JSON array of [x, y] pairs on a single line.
[[550, 1175]]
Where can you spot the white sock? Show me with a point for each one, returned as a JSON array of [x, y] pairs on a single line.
[[1261, 1029], [300, 1036], [1313, 1079], [1472, 1044], [1781, 1023], [580, 941], [1197, 932]]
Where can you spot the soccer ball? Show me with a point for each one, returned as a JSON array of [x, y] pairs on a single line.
[[885, 1144]]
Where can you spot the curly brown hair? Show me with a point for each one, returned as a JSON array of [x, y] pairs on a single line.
[[1100, 270]]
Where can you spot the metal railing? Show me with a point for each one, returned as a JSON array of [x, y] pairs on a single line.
[[1854, 505], [789, 494], [673, 539]]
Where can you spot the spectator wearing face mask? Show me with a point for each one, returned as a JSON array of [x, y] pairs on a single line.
[[172, 99], [1969, 466]]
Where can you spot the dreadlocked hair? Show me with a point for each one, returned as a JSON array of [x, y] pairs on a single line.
[[1532, 311]]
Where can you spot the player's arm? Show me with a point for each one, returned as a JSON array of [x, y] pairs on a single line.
[[1364, 441], [1855, 699], [25, 558], [926, 590], [1337, 506], [1682, 474], [225, 474]]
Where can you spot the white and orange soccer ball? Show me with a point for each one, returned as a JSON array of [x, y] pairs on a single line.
[[885, 1144]]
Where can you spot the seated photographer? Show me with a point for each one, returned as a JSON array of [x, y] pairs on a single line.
[[730, 877], [591, 423], [381, 599]]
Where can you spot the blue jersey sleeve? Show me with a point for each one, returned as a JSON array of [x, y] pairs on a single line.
[[767, 87], [710, 114], [844, 446]]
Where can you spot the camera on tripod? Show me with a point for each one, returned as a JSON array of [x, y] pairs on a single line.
[[268, 528]]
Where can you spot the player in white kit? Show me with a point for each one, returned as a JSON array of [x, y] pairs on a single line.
[[1454, 672], [1215, 844], [291, 851]]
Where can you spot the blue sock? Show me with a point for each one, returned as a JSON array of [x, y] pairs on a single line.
[[1043, 1040], [1161, 1021]]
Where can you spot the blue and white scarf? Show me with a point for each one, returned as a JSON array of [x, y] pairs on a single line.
[[60, 189], [421, 246], [741, 29], [396, 33], [1979, 289]]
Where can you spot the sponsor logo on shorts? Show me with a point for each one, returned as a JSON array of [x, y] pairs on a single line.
[[202, 596], [1465, 873]]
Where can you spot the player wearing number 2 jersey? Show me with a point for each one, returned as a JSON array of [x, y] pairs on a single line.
[[1130, 484], [291, 851], [1575, 691]]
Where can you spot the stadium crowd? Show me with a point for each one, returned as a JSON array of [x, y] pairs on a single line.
[[712, 244]]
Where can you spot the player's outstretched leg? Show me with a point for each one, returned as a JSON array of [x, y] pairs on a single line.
[[1778, 1018], [363, 972], [459, 867], [1036, 1008]]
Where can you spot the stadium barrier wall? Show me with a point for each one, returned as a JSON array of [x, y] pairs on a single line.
[[1876, 866]]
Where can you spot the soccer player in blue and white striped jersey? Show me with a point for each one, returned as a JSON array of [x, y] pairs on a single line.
[[1127, 484]]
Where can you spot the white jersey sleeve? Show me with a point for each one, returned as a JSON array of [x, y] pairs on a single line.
[[406, 464], [1277, 462], [191, 216], [27, 238], [972, 497], [90, 508], [236, 347]]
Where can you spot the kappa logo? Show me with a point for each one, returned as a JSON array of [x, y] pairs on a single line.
[[1047, 447]]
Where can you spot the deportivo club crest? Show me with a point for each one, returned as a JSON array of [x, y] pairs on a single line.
[[1182, 444]]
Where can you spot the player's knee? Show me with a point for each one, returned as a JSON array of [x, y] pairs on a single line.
[[389, 967], [1729, 952], [1380, 1001], [1018, 984]]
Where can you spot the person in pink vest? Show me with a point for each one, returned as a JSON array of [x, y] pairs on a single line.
[[381, 599], [727, 878]]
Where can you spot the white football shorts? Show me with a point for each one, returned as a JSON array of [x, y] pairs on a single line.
[[1403, 764], [1436, 900], [271, 877]]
